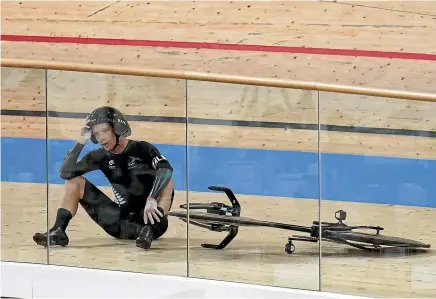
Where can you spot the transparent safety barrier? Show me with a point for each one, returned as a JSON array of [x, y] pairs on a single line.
[[377, 162], [261, 143], [23, 164], [275, 183]]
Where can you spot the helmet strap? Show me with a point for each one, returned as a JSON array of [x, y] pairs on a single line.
[[117, 143]]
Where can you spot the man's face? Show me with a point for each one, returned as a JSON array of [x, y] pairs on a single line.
[[105, 136]]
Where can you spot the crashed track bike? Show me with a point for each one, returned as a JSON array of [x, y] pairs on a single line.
[[220, 217]]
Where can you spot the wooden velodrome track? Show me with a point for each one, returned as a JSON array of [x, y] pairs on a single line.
[[402, 27]]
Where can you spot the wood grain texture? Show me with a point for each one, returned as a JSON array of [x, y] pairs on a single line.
[[361, 71], [23, 89], [313, 24], [83, 92], [255, 22]]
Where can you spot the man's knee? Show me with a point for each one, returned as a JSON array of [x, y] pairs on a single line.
[[76, 184], [113, 230]]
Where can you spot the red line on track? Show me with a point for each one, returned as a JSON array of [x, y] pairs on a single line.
[[215, 46]]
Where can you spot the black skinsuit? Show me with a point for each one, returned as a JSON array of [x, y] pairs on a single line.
[[135, 174]]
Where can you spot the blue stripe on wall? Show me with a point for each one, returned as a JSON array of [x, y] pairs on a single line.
[[353, 178]]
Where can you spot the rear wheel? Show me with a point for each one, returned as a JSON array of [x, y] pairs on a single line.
[[368, 241]]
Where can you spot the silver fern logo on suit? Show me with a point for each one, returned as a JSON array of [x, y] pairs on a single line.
[[119, 199]]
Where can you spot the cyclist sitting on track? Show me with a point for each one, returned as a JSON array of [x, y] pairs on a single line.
[[140, 176]]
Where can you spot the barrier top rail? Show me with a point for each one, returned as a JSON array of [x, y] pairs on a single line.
[[233, 79]]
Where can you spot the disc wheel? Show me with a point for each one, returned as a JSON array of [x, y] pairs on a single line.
[[373, 239]]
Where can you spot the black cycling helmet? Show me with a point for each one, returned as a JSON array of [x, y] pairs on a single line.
[[111, 116]]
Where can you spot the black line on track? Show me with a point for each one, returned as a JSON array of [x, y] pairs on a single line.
[[236, 123]]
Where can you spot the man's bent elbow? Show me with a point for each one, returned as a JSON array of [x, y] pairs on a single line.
[[67, 175]]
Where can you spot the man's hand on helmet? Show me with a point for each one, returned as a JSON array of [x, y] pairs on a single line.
[[85, 132]]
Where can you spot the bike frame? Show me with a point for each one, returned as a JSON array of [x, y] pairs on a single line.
[[337, 232]]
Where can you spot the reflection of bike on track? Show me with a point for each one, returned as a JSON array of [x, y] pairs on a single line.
[[220, 217]]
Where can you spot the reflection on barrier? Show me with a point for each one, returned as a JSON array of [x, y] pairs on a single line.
[[295, 154]]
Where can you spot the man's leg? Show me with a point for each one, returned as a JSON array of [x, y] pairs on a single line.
[[99, 207], [151, 232], [74, 190]]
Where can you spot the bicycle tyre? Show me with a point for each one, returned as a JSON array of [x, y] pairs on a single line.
[[376, 240]]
